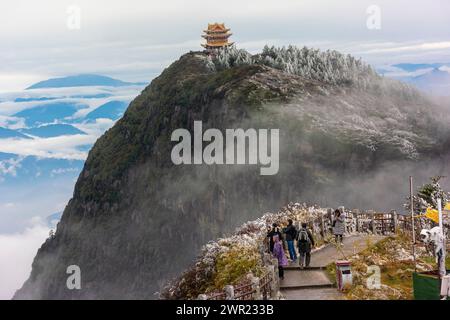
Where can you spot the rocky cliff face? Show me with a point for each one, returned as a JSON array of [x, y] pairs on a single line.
[[137, 220]]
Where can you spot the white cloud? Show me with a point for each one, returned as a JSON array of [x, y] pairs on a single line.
[[10, 166], [63, 95], [11, 122], [16, 256], [394, 72], [96, 128], [12, 81], [425, 46], [58, 171], [63, 147]]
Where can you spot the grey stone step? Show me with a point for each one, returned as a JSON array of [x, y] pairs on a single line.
[[313, 294], [294, 279], [297, 267]]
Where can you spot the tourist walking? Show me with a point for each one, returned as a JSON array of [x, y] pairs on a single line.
[[305, 245], [278, 252], [338, 226], [291, 235], [274, 232]]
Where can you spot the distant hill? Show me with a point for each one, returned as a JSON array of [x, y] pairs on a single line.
[[53, 130], [47, 113], [431, 78], [435, 82], [34, 99], [8, 133], [417, 66], [83, 80], [111, 110]]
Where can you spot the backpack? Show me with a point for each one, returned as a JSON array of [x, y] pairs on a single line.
[[303, 235]]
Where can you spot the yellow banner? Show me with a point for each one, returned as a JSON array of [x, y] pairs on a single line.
[[432, 214]]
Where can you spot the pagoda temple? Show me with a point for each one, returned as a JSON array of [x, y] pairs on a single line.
[[216, 36]]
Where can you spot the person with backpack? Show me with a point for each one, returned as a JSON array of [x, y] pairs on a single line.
[[305, 244], [338, 226], [291, 235], [274, 232], [278, 252]]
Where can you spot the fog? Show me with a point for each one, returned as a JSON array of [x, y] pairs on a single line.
[[383, 190], [16, 255]]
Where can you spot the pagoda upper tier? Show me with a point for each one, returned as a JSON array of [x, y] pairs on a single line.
[[216, 36]]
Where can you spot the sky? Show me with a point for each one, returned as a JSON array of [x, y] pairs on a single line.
[[135, 39]]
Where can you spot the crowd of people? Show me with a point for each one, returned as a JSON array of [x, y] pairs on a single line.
[[299, 241]]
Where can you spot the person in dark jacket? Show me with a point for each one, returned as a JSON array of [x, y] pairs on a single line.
[[305, 244], [291, 235], [274, 232]]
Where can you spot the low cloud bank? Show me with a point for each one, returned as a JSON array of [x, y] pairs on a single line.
[[16, 256]]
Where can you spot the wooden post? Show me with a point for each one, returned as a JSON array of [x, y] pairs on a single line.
[[442, 239], [394, 221], [229, 292], [412, 221], [329, 217], [275, 286], [374, 229], [267, 258], [256, 288], [356, 217], [322, 225], [272, 274]]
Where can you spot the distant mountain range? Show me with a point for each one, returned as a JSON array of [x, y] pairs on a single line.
[[48, 113], [83, 80], [111, 110], [434, 82], [52, 130], [418, 66], [432, 78]]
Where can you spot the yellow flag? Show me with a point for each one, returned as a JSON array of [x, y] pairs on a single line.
[[432, 214], [447, 207]]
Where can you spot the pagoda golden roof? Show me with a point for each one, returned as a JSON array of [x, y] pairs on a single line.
[[216, 28]]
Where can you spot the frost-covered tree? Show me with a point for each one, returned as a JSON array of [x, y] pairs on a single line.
[[427, 196], [230, 57], [330, 67]]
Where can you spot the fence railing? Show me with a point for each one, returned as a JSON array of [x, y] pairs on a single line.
[[265, 287]]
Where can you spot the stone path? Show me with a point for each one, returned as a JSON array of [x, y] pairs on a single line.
[[313, 283]]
